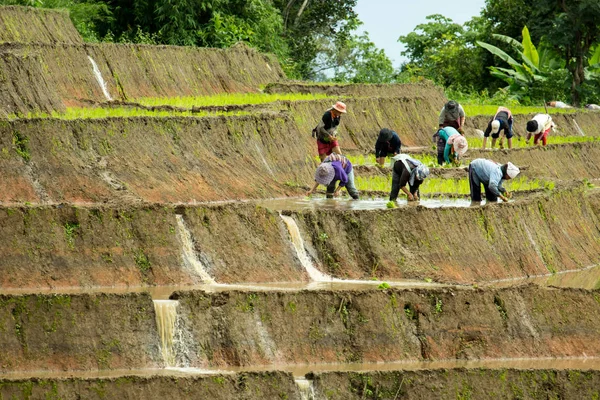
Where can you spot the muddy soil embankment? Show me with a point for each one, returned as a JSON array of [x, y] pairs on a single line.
[[247, 386], [57, 246], [128, 160], [527, 237], [460, 384], [36, 26], [410, 117], [78, 332], [570, 161], [264, 328], [421, 385], [129, 72], [66, 247], [583, 123]]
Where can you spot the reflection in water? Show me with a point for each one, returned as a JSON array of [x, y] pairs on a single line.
[[302, 204], [300, 370], [585, 278]]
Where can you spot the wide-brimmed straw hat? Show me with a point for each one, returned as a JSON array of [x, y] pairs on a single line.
[[341, 107], [324, 173], [460, 145]]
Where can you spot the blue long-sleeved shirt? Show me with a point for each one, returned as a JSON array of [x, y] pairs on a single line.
[[489, 173], [341, 173]]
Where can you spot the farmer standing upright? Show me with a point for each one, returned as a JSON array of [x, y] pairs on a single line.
[[326, 130]]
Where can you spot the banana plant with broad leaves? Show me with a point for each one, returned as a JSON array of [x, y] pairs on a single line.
[[535, 67]]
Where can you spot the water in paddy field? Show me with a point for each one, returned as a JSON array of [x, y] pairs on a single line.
[[302, 204], [306, 388], [190, 258], [100, 80], [166, 319]]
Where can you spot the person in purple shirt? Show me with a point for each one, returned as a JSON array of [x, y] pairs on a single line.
[[335, 168]]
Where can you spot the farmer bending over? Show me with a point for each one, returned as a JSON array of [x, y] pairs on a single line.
[[326, 131], [452, 114], [440, 138], [387, 143], [456, 147], [333, 169], [540, 126], [503, 120], [491, 175], [407, 170]]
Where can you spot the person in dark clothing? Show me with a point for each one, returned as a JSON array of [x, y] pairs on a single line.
[[326, 131], [387, 143], [503, 120], [407, 170]]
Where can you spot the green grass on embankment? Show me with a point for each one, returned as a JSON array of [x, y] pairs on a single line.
[[519, 143], [228, 99], [450, 186]]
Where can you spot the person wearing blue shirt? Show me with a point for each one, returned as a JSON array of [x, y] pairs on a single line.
[[491, 175], [441, 138]]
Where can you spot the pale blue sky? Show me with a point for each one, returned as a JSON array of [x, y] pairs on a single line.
[[386, 20]]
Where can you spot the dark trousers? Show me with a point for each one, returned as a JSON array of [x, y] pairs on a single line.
[[400, 177], [475, 188], [441, 146]]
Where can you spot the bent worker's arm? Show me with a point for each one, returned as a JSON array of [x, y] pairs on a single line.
[[495, 185], [343, 178], [461, 114], [314, 189]]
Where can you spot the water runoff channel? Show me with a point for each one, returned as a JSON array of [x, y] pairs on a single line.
[[174, 343]]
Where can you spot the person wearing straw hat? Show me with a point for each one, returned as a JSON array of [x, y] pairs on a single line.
[[336, 168], [440, 138], [502, 120], [387, 143], [407, 170], [540, 126], [456, 147], [326, 131], [491, 175]]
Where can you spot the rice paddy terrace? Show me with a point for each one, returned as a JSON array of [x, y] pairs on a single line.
[[156, 241]]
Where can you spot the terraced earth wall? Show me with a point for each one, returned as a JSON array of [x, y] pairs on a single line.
[[58, 246]]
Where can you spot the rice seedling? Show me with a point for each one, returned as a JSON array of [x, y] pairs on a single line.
[[227, 99], [477, 109], [518, 143], [450, 186]]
